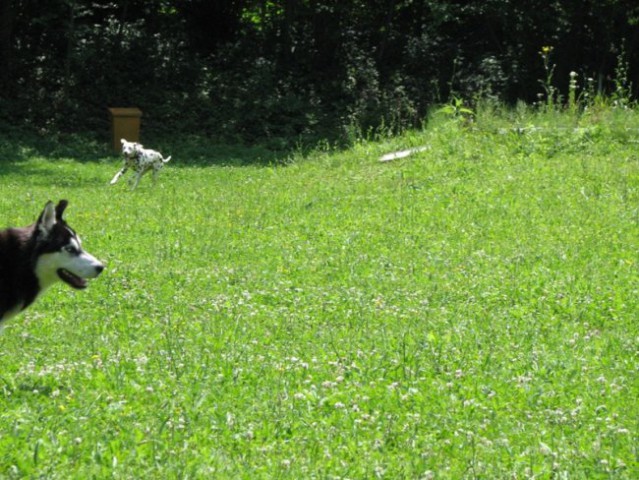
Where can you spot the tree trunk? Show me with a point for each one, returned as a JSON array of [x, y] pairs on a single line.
[[69, 51], [7, 15]]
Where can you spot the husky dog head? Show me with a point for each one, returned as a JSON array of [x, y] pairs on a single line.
[[58, 251], [129, 149]]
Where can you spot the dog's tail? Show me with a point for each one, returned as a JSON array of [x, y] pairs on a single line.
[[165, 160]]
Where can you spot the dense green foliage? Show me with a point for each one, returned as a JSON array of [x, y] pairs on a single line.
[[299, 69], [467, 312]]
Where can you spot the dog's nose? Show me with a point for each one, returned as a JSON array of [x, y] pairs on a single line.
[[99, 269]]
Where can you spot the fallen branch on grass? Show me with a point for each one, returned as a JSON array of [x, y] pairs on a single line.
[[402, 153]]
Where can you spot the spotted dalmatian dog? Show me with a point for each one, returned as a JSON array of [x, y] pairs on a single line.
[[141, 160]]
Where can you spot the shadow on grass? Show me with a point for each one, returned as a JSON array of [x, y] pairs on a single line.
[[29, 388], [16, 148], [45, 174]]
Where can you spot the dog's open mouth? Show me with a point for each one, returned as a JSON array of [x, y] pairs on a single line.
[[71, 279]]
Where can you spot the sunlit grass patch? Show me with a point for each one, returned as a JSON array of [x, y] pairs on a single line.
[[468, 311]]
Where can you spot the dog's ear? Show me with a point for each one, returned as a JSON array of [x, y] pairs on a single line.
[[122, 141], [59, 210], [47, 220]]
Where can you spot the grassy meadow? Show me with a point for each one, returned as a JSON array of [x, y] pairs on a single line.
[[470, 311]]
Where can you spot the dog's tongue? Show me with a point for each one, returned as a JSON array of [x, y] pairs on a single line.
[[71, 279]]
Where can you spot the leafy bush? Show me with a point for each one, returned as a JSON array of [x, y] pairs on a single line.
[[299, 71]]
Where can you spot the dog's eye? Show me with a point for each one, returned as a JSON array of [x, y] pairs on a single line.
[[71, 249]]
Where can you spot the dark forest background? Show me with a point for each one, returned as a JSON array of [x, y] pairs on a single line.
[[296, 70]]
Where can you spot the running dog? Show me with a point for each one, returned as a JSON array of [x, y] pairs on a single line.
[[141, 160], [35, 257]]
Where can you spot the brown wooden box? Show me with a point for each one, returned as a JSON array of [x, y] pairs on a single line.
[[125, 123]]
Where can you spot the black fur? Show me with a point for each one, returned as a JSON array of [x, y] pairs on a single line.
[[19, 252], [18, 283]]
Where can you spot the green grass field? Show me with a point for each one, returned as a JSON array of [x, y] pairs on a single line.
[[467, 312]]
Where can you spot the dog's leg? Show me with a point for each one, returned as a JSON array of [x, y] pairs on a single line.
[[155, 175], [118, 175], [136, 180]]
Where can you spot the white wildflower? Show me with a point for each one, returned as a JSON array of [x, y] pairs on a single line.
[[545, 449]]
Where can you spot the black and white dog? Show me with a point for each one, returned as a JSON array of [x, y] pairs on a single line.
[[141, 160], [33, 258]]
